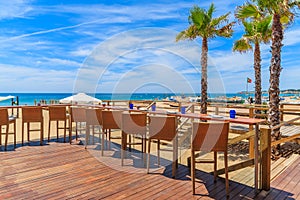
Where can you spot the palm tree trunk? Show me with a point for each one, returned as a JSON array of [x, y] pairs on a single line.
[[257, 70], [275, 69], [204, 76]]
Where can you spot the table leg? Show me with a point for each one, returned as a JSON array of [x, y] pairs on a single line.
[[256, 157]]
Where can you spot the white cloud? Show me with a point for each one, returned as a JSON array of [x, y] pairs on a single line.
[[291, 37], [14, 8], [24, 79], [60, 62], [229, 61], [81, 52]]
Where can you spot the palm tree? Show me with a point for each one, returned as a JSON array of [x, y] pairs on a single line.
[[283, 14], [202, 24], [257, 30]]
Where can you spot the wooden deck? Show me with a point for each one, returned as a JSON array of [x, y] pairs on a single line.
[[64, 171]]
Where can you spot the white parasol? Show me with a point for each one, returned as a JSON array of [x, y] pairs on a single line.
[[80, 98]]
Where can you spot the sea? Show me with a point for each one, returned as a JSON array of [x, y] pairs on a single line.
[[31, 98]]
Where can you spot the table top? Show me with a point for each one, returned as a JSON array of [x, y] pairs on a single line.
[[238, 120]]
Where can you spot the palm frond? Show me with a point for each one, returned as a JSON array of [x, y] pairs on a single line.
[[197, 16], [226, 31], [210, 11], [180, 36], [249, 28], [295, 3], [272, 6], [248, 11], [219, 20], [242, 45], [190, 33]]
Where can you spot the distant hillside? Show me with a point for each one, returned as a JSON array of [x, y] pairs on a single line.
[[288, 91]]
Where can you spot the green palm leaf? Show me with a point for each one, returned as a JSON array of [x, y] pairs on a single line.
[[248, 11], [242, 45]]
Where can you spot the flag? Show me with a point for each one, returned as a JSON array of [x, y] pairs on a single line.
[[249, 80]]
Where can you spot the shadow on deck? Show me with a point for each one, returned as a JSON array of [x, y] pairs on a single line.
[[61, 171]]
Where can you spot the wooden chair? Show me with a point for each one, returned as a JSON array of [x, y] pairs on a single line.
[[32, 114], [134, 124], [56, 114], [77, 116], [163, 128], [93, 120], [5, 120], [210, 136], [111, 119]]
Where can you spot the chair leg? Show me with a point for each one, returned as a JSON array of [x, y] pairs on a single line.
[[158, 152], [106, 136], [145, 143], [6, 136], [148, 158], [174, 163], [123, 147], [22, 133], [0, 135], [226, 173], [100, 133], [57, 129], [65, 129], [193, 170], [144, 154], [102, 142], [70, 132], [109, 134], [15, 135], [49, 131], [76, 130], [28, 134], [129, 138], [87, 135], [215, 165], [42, 133], [93, 129]]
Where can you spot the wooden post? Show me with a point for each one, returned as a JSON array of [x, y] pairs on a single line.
[[251, 139], [281, 112], [193, 111], [217, 110], [251, 115], [265, 165], [193, 108]]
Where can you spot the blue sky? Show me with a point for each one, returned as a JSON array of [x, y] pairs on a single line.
[[124, 46]]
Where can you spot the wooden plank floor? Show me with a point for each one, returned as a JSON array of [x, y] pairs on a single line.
[[63, 171]]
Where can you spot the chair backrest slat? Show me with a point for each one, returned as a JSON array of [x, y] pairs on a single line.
[[94, 116], [111, 119], [57, 113], [210, 136], [4, 116], [32, 114], [134, 123], [162, 127], [78, 114]]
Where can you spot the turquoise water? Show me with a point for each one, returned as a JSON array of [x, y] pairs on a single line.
[[29, 98]]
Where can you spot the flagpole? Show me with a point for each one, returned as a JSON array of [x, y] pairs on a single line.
[[247, 88]]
